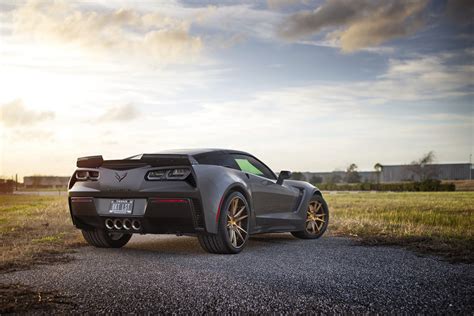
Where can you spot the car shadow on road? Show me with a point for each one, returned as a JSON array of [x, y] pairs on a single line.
[[185, 245]]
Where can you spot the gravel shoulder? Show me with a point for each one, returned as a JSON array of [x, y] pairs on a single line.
[[275, 273]]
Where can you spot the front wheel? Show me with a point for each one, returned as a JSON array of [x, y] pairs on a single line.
[[102, 239], [233, 227], [317, 219]]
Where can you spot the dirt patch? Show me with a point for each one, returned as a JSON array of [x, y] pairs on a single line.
[[18, 298]]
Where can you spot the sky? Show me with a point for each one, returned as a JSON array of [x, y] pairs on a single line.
[[303, 85]]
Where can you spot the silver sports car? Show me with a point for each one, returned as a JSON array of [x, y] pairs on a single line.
[[221, 196]]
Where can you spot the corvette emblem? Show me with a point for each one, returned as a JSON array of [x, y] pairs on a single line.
[[120, 177]]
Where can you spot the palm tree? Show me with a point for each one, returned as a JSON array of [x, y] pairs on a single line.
[[378, 170]]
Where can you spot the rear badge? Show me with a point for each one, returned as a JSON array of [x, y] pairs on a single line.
[[120, 177]]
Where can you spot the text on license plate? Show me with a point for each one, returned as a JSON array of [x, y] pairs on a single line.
[[121, 206]]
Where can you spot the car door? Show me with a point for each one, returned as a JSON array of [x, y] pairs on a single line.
[[271, 202]]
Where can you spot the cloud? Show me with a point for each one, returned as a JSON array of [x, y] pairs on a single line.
[[163, 39], [278, 4], [16, 114], [460, 11], [358, 23], [122, 113]]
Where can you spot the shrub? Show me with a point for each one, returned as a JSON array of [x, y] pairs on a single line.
[[424, 186]]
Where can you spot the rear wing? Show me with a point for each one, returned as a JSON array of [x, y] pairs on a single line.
[[153, 160]]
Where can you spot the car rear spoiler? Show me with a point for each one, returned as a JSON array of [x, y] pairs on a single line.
[[153, 160]]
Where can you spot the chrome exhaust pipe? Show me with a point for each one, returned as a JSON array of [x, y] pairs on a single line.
[[109, 223], [136, 224], [127, 224], [118, 223]]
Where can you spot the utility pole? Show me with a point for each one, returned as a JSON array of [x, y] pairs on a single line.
[[16, 182]]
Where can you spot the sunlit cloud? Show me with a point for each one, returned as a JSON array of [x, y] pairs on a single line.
[[127, 32], [15, 113], [121, 113]]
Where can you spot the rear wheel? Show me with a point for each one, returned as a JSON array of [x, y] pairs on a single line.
[[103, 239], [317, 219], [233, 227]]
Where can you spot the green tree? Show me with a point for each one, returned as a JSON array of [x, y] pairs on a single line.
[[422, 167], [316, 179], [352, 176], [378, 171], [298, 176]]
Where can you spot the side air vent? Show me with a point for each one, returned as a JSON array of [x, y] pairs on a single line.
[[198, 216]]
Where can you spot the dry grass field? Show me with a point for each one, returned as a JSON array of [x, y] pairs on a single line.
[[34, 229], [434, 222], [37, 229]]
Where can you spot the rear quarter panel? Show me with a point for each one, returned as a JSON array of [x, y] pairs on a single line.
[[214, 182]]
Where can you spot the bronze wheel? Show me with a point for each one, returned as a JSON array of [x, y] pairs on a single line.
[[316, 220], [237, 218], [315, 217]]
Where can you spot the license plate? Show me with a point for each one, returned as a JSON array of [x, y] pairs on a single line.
[[121, 206]]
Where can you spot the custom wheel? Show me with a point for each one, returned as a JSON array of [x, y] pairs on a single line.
[[233, 227], [102, 239], [317, 219]]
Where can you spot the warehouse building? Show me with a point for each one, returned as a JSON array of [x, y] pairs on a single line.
[[400, 173], [45, 182], [452, 171]]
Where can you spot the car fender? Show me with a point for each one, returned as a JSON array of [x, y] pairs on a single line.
[[214, 183], [309, 191]]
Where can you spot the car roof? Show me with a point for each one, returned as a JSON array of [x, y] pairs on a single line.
[[199, 151]]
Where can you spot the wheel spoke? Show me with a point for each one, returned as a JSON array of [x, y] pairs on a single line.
[[234, 204], [317, 209], [232, 237], [241, 218], [243, 230], [240, 211], [240, 235]]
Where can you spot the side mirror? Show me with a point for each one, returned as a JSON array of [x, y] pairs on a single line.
[[284, 174]]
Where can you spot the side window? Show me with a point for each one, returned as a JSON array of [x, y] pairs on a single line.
[[251, 165], [218, 159]]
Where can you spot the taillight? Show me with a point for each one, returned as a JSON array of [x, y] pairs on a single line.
[[168, 174], [84, 175]]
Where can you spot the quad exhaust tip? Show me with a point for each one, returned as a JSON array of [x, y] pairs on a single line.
[[136, 224], [109, 223], [127, 224], [120, 224]]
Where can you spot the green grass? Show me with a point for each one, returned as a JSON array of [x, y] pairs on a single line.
[[34, 229], [434, 222]]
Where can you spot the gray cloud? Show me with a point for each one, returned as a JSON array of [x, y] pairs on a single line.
[[16, 114], [461, 11], [121, 113], [359, 23]]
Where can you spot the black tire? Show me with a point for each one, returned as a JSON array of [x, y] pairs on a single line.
[[222, 242], [102, 239], [312, 232]]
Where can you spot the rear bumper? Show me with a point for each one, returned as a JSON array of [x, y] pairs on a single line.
[[157, 213]]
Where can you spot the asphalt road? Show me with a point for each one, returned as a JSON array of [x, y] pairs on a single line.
[[276, 273]]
